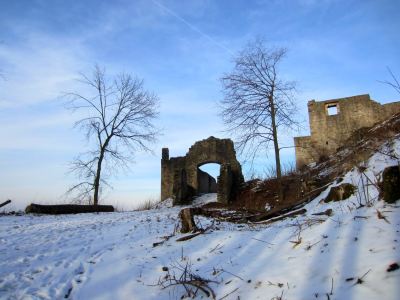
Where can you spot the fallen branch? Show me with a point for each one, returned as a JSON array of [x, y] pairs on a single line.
[[166, 238], [200, 231], [327, 212], [5, 203], [273, 217], [188, 237]]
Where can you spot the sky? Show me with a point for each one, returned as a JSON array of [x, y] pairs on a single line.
[[181, 49]]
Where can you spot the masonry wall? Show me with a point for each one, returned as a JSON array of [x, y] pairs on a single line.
[[303, 151], [328, 132], [206, 183], [211, 150]]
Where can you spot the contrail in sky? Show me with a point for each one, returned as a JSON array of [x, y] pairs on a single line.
[[194, 28]]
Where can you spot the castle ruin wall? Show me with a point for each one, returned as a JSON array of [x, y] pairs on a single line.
[[333, 121]]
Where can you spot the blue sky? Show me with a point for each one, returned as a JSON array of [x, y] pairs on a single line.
[[181, 49]]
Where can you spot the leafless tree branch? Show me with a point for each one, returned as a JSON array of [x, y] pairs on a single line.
[[394, 82]]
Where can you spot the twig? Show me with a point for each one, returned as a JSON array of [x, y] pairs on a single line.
[[215, 248], [280, 285], [262, 241], [296, 243], [191, 282], [188, 237], [312, 245], [381, 216], [229, 294], [223, 270], [360, 279], [166, 238], [278, 297]]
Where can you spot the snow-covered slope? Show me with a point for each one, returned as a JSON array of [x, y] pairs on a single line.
[[111, 256]]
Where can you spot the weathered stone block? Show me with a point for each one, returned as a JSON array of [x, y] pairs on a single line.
[[391, 184], [340, 192]]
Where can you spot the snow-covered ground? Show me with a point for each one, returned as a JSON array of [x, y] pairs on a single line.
[[111, 256]]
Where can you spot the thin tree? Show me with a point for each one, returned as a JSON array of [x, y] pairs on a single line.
[[118, 121], [258, 101]]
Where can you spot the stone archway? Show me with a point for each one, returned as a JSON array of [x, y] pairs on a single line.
[[181, 178]]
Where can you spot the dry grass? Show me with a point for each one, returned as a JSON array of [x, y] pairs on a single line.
[[147, 204]]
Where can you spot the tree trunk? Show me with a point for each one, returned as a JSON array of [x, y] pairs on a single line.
[[103, 149], [67, 209], [276, 148], [97, 179]]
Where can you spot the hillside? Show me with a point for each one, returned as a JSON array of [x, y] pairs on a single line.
[[350, 253]]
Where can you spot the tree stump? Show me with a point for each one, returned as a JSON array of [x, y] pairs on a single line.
[[187, 221]]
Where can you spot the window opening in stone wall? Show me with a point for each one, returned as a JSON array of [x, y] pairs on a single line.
[[332, 109]]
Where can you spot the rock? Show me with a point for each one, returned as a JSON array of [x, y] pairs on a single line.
[[340, 192], [393, 267], [391, 184]]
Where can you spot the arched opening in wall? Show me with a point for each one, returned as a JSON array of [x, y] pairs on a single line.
[[207, 176]]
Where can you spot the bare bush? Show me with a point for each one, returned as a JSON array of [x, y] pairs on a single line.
[[184, 276], [147, 204]]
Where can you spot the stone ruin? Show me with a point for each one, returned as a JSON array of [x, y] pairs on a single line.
[[181, 178], [333, 121]]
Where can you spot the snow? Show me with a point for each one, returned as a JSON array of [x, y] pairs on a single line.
[[206, 198], [111, 255]]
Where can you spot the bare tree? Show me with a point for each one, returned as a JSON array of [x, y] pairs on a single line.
[[394, 82], [257, 101], [118, 120]]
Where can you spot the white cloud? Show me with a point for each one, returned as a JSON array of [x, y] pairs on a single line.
[[39, 69]]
